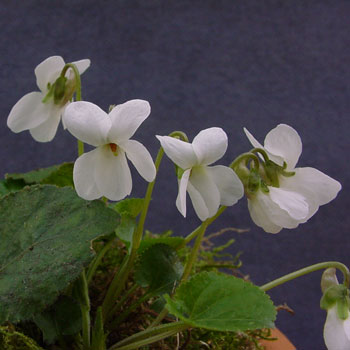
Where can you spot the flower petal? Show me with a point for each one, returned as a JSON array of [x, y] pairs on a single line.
[[260, 217], [285, 142], [181, 197], [87, 122], [180, 152], [228, 183], [28, 112], [292, 202], [48, 71], [140, 157], [273, 211], [112, 174], [82, 65], [198, 202], [317, 187], [46, 131], [83, 176], [210, 145], [256, 144], [203, 183], [336, 332], [126, 118]]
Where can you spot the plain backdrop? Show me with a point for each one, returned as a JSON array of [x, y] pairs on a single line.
[[200, 64]]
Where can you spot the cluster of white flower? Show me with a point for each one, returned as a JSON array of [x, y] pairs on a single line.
[[285, 199]]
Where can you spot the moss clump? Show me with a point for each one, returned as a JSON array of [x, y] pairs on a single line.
[[13, 340]]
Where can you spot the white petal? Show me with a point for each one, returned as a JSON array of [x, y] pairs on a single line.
[[292, 202], [278, 160], [126, 118], [317, 187], [48, 71], [273, 211], [87, 122], [198, 202], [285, 142], [228, 183], [28, 112], [260, 217], [180, 152], [83, 176], [140, 157], [336, 332], [210, 145], [202, 182], [181, 197], [46, 131], [82, 65], [112, 174]]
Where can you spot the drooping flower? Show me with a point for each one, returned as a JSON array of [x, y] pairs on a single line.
[[207, 186], [40, 111], [104, 171], [335, 300], [289, 196]]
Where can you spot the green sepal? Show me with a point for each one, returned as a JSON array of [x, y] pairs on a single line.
[[333, 295], [59, 89]]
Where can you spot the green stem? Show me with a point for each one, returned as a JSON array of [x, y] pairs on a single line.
[[84, 301], [245, 157], [77, 94], [194, 233], [122, 300], [121, 277], [309, 269], [159, 318], [150, 336], [179, 135], [129, 310], [262, 152], [194, 252], [96, 262]]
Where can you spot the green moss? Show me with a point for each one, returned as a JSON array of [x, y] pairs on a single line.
[[13, 340]]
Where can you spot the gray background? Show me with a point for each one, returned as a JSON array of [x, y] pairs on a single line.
[[201, 64]]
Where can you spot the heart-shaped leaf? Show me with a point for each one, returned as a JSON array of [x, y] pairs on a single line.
[[45, 242], [222, 303]]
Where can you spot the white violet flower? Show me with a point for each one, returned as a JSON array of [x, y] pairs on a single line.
[[298, 196], [336, 331], [207, 186], [104, 171], [40, 112]]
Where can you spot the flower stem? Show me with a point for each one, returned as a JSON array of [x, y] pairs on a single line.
[[309, 269], [77, 94], [245, 157], [92, 268], [194, 233], [121, 277], [150, 336]]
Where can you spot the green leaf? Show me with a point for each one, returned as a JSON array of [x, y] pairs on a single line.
[[45, 242], [130, 206], [174, 242], [125, 230], [53, 321], [159, 269], [222, 303], [59, 175]]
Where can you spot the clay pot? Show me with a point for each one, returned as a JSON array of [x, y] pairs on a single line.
[[282, 342]]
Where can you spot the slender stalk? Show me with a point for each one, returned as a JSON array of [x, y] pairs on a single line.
[[129, 310], [96, 262], [122, 300], [77, 94], [246, 157], [149, 336], [194, 233], [194, 252], [121, 277], [159, 318], [309, 269]]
